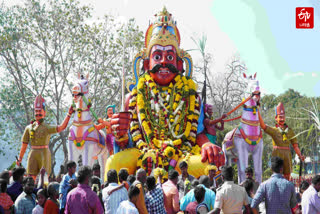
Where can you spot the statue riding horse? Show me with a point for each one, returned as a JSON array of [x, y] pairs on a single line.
[[247, 137], [85, 138]]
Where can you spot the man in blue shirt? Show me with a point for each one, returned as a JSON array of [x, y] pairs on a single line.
[[209, 196], [26, 201], [278, 193], [64, 185]]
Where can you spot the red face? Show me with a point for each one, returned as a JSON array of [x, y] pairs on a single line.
[[163, 56], [109, 112], [39, 114], [281, 119]]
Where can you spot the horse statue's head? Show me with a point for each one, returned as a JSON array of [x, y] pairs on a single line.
[[81, 88], [252, 89]]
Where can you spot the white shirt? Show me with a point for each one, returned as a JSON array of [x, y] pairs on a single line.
[[37, 210], [231, 197], [310, 201], [126, 207], [112, 202]]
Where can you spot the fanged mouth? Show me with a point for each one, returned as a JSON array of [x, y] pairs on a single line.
[[164, 71]]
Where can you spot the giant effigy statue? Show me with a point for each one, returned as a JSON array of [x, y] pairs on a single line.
[[282, 137], [38, 134], [165, 109]]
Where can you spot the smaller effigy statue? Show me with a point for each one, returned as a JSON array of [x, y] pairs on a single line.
[[38, 134], [282, 137], [112, 147], [247, 137], [85, 137], [210, 125]]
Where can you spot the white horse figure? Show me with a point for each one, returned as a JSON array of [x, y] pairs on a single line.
[[84, 137], [247, 137]]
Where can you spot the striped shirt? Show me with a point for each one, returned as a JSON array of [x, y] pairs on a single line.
[[112, 201], [279, 195], [24, 204]]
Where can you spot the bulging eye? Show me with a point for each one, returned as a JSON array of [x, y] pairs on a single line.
[[157, 57], [170, 57]]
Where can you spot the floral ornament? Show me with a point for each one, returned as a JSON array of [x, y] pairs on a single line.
[[169, 115], [283, 132], [34, 126]]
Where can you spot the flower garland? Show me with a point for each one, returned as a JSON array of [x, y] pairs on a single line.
[[169, 115], [283, 132], [34, 126]]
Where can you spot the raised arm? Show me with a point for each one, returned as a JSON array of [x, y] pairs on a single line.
[[65, 122], [262, 124]]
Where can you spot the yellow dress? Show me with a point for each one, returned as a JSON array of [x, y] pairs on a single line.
[[284, 150], [38, 155]]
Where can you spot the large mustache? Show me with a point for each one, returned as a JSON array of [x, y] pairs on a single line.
[[171, 68], [39, 115]]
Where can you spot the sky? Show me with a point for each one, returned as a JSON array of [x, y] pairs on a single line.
[[262, 32]]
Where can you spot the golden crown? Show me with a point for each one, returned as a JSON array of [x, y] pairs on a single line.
[[163, 31]]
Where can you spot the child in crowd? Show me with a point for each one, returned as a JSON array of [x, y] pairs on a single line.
[[5, 200], [52, 204], [64, 185], [41, 198]]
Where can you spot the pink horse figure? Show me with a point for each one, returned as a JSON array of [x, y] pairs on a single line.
[[85, 138], [247, 137]]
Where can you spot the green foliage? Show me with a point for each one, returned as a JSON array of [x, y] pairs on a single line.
[[43, 44]]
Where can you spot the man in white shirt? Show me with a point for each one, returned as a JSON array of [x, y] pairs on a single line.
[[112, 195], [310, 202], [128, 206]]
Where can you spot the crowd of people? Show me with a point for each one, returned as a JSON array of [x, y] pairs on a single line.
[[85, 192]]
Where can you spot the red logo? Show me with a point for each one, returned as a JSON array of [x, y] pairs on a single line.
[[304, 17]]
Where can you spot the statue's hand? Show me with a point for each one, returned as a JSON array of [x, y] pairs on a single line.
[[71, 110], [120, 124], [213, 154]]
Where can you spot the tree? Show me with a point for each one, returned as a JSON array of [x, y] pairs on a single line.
[[43, 45]]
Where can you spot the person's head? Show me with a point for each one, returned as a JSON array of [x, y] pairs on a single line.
[[53, 190], [123, 174], [133, 194], [280, 115], [131, 179], [249, 173], [42, 197], [248, 185], [276, 164], [316, 182], [173, 176], [95, 183], [112, 176], [18, 173], [5, 175], [227, 173], [205, 180], [39, 108], [199, 193], [73, 183], [3, 185], [96, 170], [71, 167], [110, 110], [84, 175], [194, 183], [184, 168], [211, 171], [304, 186], [151, 183], [141, 175], [28, 185]]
